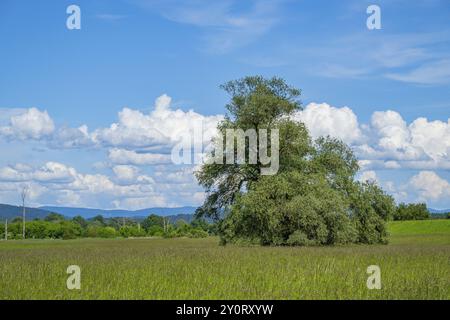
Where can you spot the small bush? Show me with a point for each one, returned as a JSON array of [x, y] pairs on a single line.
[[197, 233], [155, 231], [298, 238], [106, 232]]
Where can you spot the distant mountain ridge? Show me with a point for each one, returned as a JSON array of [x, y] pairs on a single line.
[[173, 214], [90, 213], [10, 212], [438, 211]]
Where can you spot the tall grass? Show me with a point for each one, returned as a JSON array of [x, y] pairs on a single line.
[[411, 268]]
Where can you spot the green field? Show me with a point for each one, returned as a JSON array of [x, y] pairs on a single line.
[[415, 265]]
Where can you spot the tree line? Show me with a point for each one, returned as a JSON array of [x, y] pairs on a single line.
[[56, 226], [412, 211]]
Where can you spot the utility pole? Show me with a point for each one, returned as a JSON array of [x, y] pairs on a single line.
[[23, 196], [6, 229]]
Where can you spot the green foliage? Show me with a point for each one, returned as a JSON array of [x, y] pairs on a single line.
[[304, 205], [197, 233], [115, 223], [182, 229], [94, 231], [412, 211], [181, 224], [54, 217], [131, 231], [80, 221], [155, 231], [2, 230], [312, 200], [298, 238], [70, 230], [200, 223], [107, 232], [56, 227], [370, 208], [256, 100], [99, 220], [151, 221], [39, 229]]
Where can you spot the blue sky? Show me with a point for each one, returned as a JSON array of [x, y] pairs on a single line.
[[65, 133]]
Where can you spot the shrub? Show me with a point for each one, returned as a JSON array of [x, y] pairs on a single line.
[[171, 234], [95, 231], [70, 230], [92, 231], [197, 233], [38, 229], [131, 231], [299, 238], [106, 232], [155, 230]]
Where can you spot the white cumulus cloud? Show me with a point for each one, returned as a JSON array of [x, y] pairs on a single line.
[[32, 124], [323, 119], [160, 129], [430, 186]]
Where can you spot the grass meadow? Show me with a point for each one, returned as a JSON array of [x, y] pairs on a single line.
[[415, 265]]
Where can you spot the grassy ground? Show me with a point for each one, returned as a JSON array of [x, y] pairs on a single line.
[[415, 265], [420, 232]]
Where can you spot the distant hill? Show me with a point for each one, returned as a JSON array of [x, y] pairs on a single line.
[[89, 213], [438, 211], [10, 212], [173, 214]]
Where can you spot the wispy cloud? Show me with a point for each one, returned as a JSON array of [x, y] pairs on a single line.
[[414, 58], [434, 73], [339, 71], [225, 25]]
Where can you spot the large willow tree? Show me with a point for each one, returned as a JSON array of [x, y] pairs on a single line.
[[313, 199]]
